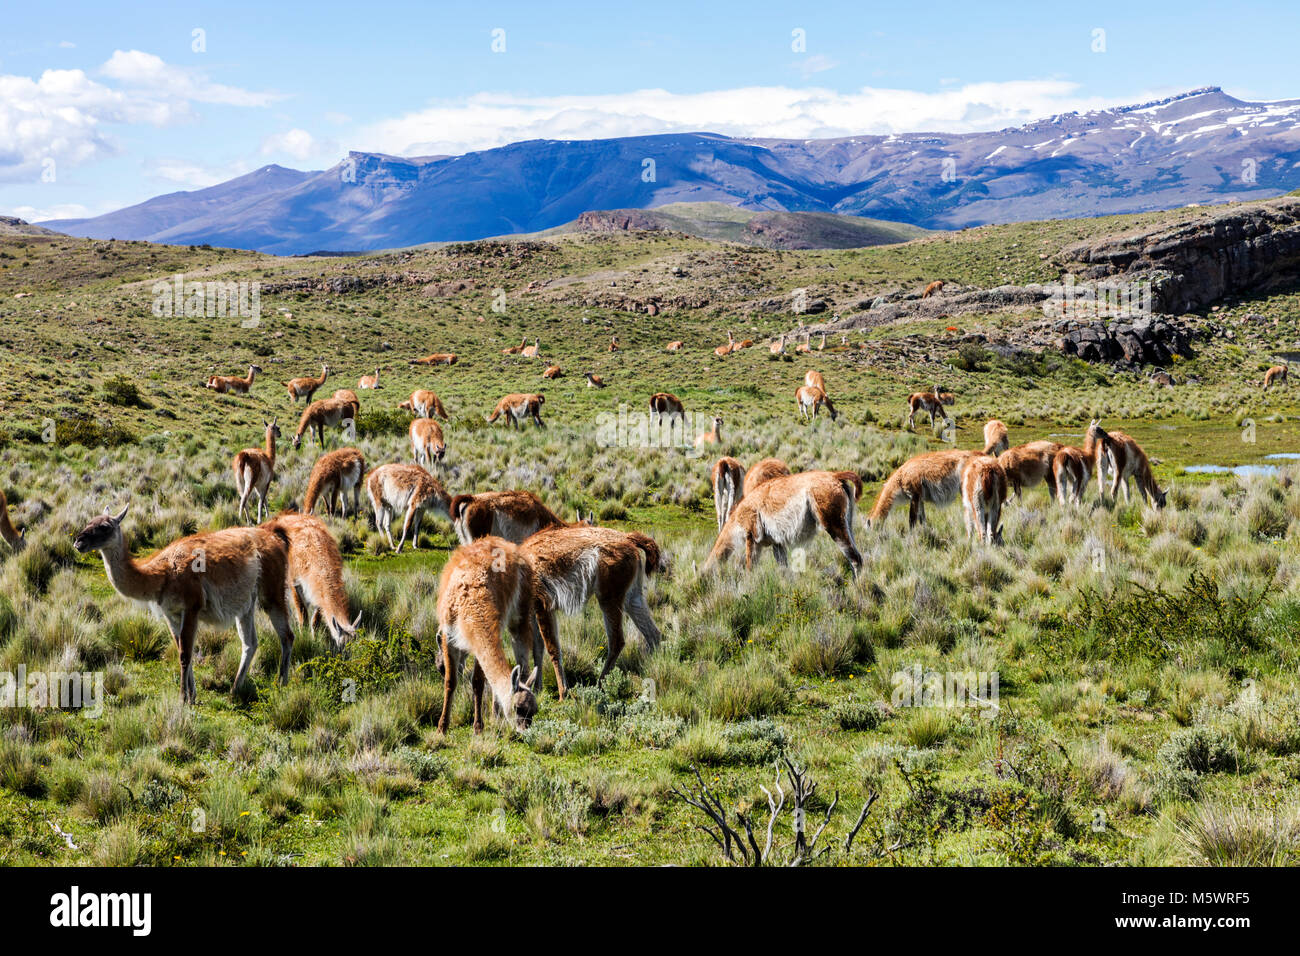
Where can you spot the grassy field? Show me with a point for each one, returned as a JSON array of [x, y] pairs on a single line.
[[1147, 708]]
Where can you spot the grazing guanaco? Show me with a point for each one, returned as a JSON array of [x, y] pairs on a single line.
[[408, 490], [785, 512], [728, 348], [515, 349], [15, 538], [254, 468], [995, 437], [233, 383], [216, 577], [667, 404], [1128, 460], [932, 477], [427, 444], [1028, 464], [574, 562], [814, 378], [487, 588], [613, 344], [712, 437], [315, 576], [553, 371], [349, 396], [810, 399], [1277, 375], [932, 288], [727, 478], [424, 404], [369, 381], [305, 387], [929, 402], [594, 381], [513, 515], [983, 492], [334, 475], [1072, 467], [764, 471], [518, 406], [675, 346], [532, 351], [438, 358], [322, 414]]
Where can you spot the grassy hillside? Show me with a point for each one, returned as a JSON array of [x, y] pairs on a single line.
[[1147, 709]]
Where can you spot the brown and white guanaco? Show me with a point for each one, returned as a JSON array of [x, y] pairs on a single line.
[[518, 406], [233, 383], [254, 468], [305, 387], [406, 490], [333, 477]]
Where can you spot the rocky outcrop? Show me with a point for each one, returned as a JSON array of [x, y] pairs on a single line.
[[1242, 250], [618, 220], [1145, 342]]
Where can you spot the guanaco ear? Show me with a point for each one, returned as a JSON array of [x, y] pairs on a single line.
[[531, 678], [120, 515], [357, 620], [514, 679]]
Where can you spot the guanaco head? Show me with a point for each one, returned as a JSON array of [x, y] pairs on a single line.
[[272, 429], [1160, 497], [101, 532], [523, 703], [342, 632]]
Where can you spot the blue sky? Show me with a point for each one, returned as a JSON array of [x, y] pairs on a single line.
[[105, 105]]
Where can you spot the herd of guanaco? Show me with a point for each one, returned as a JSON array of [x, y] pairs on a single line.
[[519, 563]]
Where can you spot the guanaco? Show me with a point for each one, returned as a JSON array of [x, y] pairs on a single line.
[[515, 349], [216, 577], [233, 383], [1277, 375], [983, 492], [334, 475], [810, 399], [675, 346], [1072, 467], [315, 576], [594, 381], [16, 539], [322, 414], [1028, 464], [666, 404], [785, 512], [804, 346], [487, 588], [995, 437], [932, 477], [727, 478], [427, 444], [728, 348], [305, 387], [929, 402], [369, 381], [349, 396], [764, 471], [553, 371], [438, 358], [518, 406], [513, 515], [813, 379], [424, 404], [408, 490], [532, 351], [1128, 460], [712, 437], [254, 468], [778, 347], [574, 563], [613, 344], [932, 288]]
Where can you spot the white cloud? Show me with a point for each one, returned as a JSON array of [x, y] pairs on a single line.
[[64, 115], [184, 172], [138, 70], [817, 63], [487, 120], [297, 143]]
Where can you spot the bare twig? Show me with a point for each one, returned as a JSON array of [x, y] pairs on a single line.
[[862, 818]]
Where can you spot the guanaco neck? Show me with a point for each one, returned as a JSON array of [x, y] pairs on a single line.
[[124, 574], [270, 445]]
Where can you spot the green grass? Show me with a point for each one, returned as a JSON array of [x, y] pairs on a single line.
[[752, 665]]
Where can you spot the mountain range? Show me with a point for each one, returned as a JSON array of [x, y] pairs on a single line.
[[1197, 147]]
